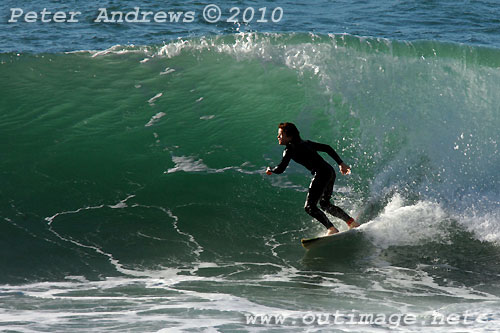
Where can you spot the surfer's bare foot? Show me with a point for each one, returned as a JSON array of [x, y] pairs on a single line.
[[352, 224], [331, 231]]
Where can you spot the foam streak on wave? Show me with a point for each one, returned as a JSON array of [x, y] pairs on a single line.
[[116, 263]]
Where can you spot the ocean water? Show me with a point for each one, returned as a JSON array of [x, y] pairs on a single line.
[[133, 196]]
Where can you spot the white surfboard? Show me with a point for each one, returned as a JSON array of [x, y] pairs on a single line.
[[309, 243]]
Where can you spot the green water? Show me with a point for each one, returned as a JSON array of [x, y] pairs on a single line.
[[113, 195]]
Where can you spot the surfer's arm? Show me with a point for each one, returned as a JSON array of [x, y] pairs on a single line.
[[344, 168], [327, 149], [280, 168]]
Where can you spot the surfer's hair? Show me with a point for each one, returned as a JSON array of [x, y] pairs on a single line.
[[290, 130]]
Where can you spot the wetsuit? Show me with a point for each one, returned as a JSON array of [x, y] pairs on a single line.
[[321, 188]]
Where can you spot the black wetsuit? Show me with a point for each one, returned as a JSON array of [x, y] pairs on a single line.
[[321, 188]]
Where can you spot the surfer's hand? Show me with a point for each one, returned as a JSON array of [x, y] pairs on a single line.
[[345, 169], [268, 171]]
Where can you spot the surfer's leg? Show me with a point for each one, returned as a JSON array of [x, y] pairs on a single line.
[[311, 206], [336, 211]]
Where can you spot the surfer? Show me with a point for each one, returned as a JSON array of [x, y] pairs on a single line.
[[321, 188]]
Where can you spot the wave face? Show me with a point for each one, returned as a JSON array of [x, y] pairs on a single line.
[[146, 163]]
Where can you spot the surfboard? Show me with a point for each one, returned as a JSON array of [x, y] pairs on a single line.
[[309, 243]]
